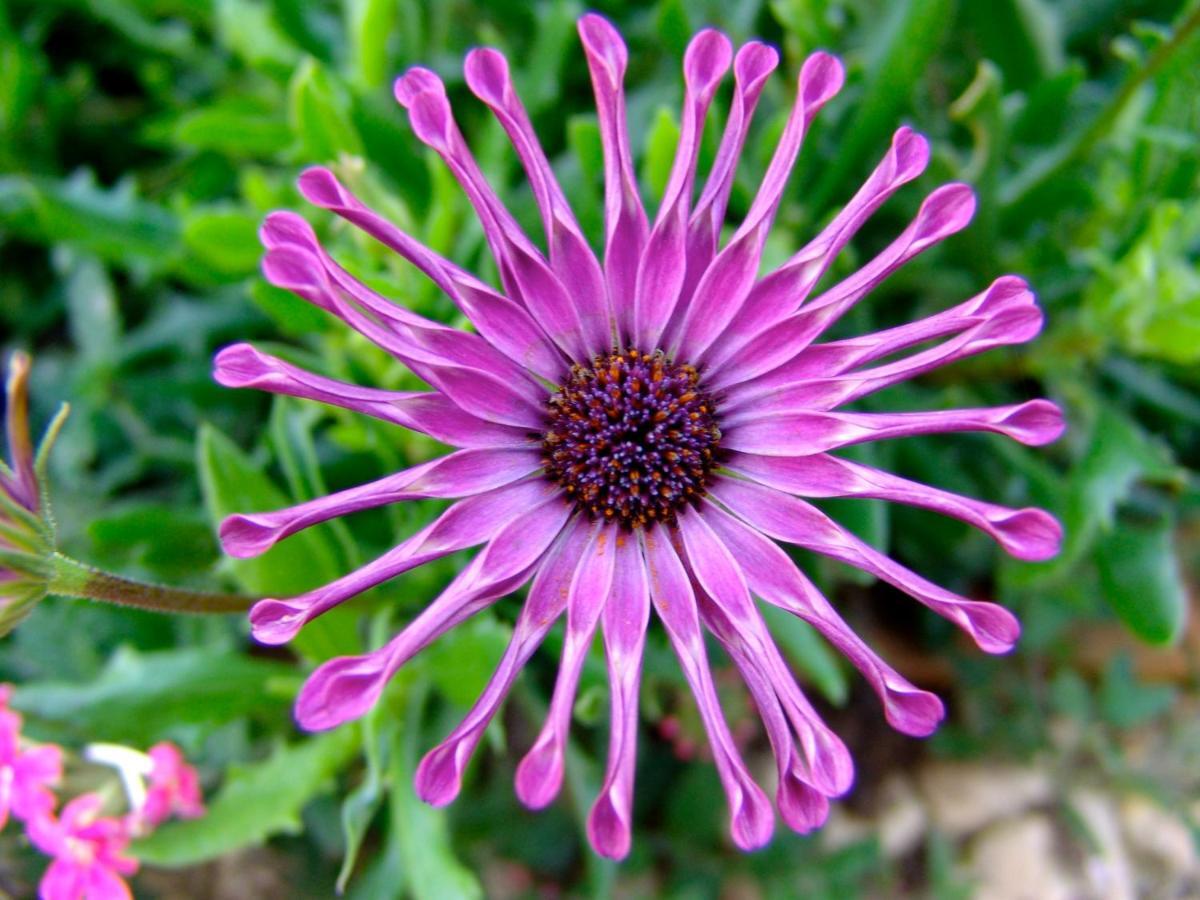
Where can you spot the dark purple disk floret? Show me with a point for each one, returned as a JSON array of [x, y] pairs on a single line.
[[632, 438]]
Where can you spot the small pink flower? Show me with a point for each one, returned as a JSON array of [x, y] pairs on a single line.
[[25, 775], [174, 788], [87, 850]]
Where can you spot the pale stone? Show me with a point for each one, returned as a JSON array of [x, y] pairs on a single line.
[[963, 797], [1109, 871], [1155, 833], [1017, 859], [902, 819]]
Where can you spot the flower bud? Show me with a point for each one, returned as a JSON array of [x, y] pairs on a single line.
[[26, 529]]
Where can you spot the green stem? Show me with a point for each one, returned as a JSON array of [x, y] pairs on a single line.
[[1048, 168], [75, 579]]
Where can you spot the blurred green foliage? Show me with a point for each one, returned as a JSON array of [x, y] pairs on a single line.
[[142, 141]]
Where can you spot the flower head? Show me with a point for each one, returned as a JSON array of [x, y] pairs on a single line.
[[27, 773], [88, 852], [691, 414], [26, 535]]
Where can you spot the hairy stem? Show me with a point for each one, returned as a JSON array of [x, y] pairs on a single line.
[[75, 579]]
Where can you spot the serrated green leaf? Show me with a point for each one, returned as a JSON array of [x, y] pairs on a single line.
[[256, 802], [113, 224], [139, 696]]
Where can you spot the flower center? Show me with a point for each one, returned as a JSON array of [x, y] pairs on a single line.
[[632, 438]]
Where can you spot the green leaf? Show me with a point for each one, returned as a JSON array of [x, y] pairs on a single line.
[[319, 113], [1140, 576], [1119, 455], [1021, 36], [224, 239], [139, 696], [906, 42], [431, 870], [240, 127], [361, 805], [462, 662], [1125, 701], [660, 151], [95, 320], [370, 23], [113, 224], [231, 483], [256, 802], [248, 29], [809, 652]]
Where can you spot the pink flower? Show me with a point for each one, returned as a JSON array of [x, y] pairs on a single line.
[[26, 775], [173, 788], [638, 433], [87, 849]]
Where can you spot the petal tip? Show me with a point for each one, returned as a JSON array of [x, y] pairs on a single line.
[[608, 831], [1035, 423], [821, 77], [539, 775], [320, 187], [487, 75], [415, 81], [243, 536]]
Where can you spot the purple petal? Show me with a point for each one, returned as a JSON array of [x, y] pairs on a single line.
[[993, 628], [774, 577], [539, 775], [1029, 534], [625, 225], [944, 212], [837, 357], [478, 391], [751, 67], [751, 819], [439, 776], [1035, 423], [429, 341], [780, 392], [784, 290], [801, 805], [504, 323], [664, 261], [23, 486], [828, 765], [460, 474], [347, 687], [242, 366], [724, 286], [570, 256], [465, 524], [526, 275], [624, 621]]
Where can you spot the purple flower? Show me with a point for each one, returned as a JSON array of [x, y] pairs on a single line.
[[639, 433]]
